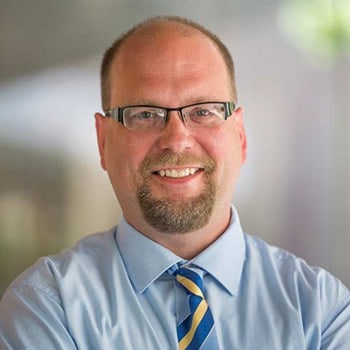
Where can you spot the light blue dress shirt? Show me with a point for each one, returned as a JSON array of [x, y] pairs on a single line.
[[115, 290]]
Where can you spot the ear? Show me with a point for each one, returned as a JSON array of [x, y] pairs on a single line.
[[101, 130], [239, 123]]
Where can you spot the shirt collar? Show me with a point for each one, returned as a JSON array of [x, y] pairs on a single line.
[[224, 258], [146, 260]]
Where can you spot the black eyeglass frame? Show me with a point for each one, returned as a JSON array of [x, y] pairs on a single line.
[[117, 113]]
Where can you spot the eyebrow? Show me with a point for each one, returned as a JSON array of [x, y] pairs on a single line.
[[140, 101], [144, 102]]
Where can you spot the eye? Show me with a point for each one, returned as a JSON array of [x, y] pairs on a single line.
[[206, 114], [144, 117], [144, 114], [202, 112]]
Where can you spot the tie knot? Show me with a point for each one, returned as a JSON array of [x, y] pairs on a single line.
[[190, 280]]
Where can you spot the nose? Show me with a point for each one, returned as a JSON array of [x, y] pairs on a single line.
[[175, 136]]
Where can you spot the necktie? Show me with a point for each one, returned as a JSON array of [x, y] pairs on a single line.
[[195, 329]]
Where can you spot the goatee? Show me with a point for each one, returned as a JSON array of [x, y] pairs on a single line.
[[174, 215]]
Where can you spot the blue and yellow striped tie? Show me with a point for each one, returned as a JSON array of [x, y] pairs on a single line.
[[193, 331]]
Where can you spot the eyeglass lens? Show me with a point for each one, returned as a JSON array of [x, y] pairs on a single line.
[[150, 117]]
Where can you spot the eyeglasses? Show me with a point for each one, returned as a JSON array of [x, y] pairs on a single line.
[[147, 118]]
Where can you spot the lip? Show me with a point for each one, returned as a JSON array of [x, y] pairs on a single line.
[[177, 172], [177, 187], [185, 185]]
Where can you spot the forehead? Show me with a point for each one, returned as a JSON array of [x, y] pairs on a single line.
[[171, 54], [166, 43], [162, 33]]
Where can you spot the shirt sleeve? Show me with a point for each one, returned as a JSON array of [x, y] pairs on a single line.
[[31, 319], [335, 301]]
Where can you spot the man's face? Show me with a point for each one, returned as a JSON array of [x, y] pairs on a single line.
[[176, 179]]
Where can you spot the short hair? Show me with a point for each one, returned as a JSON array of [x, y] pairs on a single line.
[[111, 52]]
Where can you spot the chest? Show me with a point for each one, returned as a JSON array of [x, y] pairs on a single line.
[[132, 320]]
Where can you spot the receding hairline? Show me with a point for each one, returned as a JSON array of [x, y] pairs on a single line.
[[148, 27]]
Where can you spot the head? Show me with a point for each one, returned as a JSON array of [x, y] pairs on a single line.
[[185, 24], [177, 179]]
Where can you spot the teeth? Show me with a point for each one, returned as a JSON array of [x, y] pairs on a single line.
[[177, 173]]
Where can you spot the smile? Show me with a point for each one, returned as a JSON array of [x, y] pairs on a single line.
[[176, 173]]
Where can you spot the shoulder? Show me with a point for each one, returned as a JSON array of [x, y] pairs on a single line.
[[42, 302], [48, 273], [291, 269], [309, 289]]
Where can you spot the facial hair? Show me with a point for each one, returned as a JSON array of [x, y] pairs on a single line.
[[175, 215]]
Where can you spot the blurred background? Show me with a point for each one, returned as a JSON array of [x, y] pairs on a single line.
[[293, 76]]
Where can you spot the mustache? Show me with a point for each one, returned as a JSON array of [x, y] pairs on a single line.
[[171, 159]]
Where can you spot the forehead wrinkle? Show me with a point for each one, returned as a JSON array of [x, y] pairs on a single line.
[[174, 95]]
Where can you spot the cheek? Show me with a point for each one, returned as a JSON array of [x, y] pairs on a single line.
[[223, 146], [226, 150], [124, 154]]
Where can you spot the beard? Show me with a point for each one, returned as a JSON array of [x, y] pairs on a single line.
[[175, 215]]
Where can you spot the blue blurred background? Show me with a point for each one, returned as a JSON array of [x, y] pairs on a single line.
[[293, 77]]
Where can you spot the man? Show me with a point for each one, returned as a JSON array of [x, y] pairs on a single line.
[[177, 272]]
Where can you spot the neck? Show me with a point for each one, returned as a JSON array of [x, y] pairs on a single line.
[[190, 244]]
